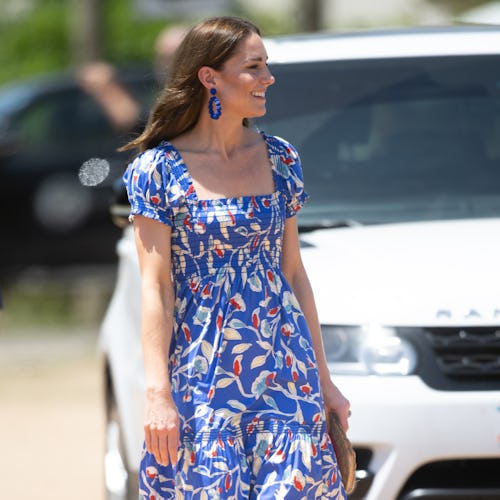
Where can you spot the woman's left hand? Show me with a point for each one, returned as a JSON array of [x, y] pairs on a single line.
[[337, 402]]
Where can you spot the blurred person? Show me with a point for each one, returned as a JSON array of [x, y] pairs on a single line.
[[237, 383], [165, 47], [99, 79]]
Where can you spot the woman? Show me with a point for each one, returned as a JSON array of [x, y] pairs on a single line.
[[236, 377]]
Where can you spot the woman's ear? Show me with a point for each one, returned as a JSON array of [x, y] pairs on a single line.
[[206, 75]]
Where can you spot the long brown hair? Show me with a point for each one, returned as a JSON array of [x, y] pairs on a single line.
[[209, 43]]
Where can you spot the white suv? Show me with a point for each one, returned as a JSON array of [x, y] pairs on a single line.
[[399, 134]]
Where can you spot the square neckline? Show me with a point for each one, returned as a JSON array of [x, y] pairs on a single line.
[[191, 190]]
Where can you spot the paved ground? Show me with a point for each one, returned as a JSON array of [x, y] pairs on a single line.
[[51, 416]]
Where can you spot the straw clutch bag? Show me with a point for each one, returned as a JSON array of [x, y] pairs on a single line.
[[346, 457]]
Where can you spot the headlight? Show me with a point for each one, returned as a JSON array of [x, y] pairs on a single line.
[[368, 350]]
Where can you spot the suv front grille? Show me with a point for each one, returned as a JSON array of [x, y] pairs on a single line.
[[466, 351], [457, 358], [468, 479]]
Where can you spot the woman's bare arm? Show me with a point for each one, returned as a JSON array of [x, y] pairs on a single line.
[[161, 424], [296, 275]]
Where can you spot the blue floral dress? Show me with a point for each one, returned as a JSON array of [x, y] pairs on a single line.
[[242, 364]]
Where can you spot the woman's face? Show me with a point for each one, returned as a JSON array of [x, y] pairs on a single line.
[[243, 80]]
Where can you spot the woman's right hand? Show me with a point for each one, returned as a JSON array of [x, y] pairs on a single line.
[[161, 427]]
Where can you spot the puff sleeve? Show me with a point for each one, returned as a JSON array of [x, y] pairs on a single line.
[[149, 186], [289, 168]]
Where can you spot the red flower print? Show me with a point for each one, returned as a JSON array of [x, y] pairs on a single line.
[[186, 222], [269, 379], [155, 199], [220, 443], [255, 320], [187, 332], [334, 477], [200, 228], [151, 472], [236, 302], [298, 485], [237, 366], [232, 217], [306, 389], [206, 292], [281, 455], [286, 331]]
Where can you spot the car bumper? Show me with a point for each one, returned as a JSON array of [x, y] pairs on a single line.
[[403, 424]]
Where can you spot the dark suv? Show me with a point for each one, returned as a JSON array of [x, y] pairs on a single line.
[[49, 127]]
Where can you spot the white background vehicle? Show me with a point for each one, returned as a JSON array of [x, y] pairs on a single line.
[[399, 134]]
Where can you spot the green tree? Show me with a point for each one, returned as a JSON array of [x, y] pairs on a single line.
[[38, 41], [34, 42]]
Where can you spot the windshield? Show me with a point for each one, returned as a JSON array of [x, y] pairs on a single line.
[[392, 140]]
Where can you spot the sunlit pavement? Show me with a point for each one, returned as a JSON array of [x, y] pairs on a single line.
[[51, 416]]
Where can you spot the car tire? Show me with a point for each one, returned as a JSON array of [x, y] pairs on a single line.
[[120, 482]]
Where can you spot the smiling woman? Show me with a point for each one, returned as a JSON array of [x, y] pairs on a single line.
[[236, 377]]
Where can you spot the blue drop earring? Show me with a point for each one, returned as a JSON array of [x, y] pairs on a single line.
[[214, 105]]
